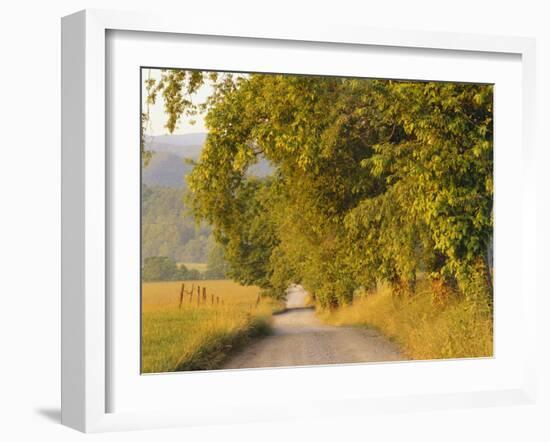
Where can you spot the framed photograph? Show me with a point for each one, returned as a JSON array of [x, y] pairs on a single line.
[[269, 223]]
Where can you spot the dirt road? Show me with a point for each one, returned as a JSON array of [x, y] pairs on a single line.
[[299, 338]]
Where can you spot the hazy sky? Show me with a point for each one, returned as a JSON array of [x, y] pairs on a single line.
[[157, 118]]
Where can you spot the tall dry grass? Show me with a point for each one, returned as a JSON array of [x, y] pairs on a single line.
[[198, 337], [461, 328]]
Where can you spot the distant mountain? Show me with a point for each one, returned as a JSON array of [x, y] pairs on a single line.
[[187, 146], [168, 167]]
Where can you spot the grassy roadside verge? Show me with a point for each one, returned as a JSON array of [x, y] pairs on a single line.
[[213, 348], [459, 329], [199, 337]]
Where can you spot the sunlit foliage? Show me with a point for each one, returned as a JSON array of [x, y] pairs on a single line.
[[374, 181]]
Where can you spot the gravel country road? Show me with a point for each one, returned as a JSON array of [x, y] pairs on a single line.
[[299, 338]]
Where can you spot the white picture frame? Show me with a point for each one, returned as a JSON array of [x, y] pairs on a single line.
[[86, 206]]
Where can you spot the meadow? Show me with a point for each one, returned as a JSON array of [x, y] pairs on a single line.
[[199, 334], [424, 329]]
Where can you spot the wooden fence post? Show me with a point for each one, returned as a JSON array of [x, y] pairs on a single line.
[[182, 291], [190, 293], [204, 294]]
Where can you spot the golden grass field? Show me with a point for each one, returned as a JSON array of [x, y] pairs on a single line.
[[459, 329], [195, 336]]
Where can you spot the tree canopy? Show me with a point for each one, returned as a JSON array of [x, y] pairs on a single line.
[[373, 180]]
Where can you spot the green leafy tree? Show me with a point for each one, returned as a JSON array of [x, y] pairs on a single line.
[[374, 180], [216, 265], [161, 268]]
